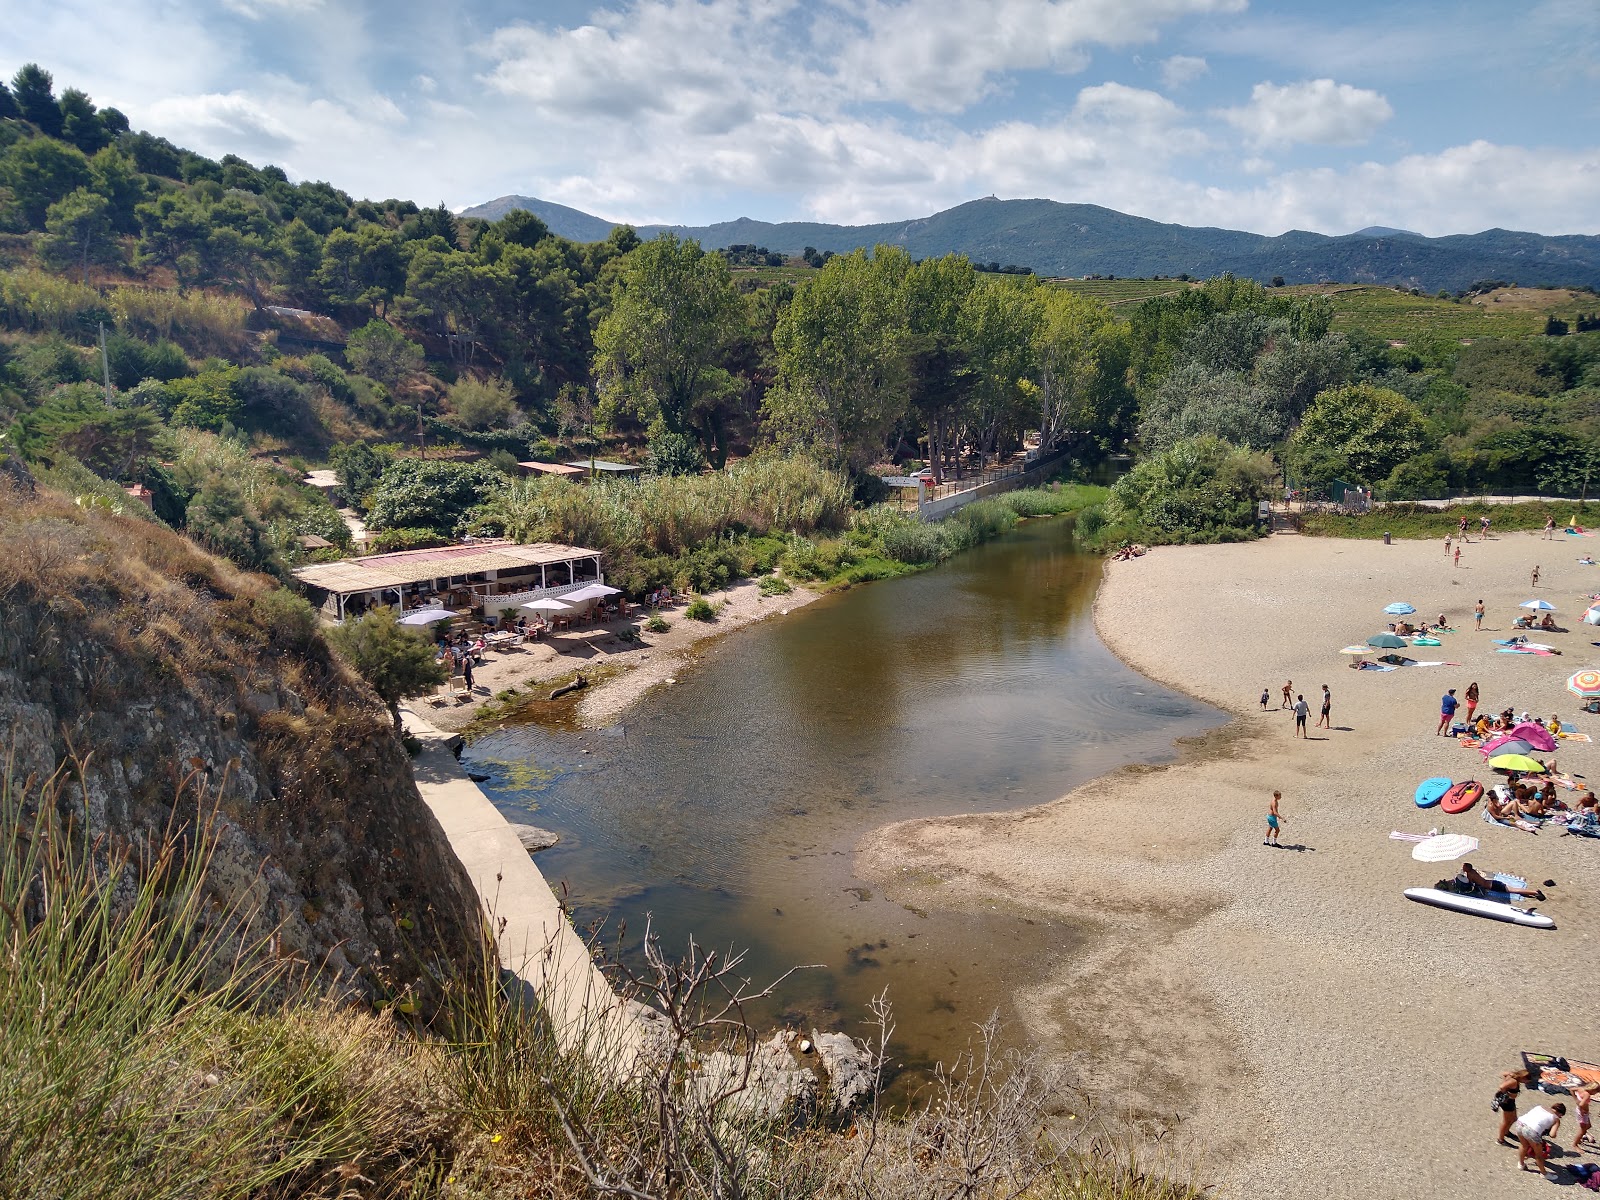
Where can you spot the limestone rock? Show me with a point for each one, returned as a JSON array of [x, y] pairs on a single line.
[[534, 839], [849, 1068], [776, 1088]]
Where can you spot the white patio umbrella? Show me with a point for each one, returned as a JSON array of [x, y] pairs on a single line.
[[1444, 847], [1538, 605], [546, 605], [592, 591], [425, 616], [1357, 651]]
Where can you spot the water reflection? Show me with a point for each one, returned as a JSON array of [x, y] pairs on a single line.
[[727, 806]]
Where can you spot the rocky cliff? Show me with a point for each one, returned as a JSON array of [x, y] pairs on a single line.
[[165, 683]]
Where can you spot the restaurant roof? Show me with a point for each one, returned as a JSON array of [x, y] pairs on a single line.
[[545, 468], [601, 464], [413, 566]]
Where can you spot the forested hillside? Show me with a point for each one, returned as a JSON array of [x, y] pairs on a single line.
[[1084, 239], [209, 329]]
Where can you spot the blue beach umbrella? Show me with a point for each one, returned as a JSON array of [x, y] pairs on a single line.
[[1538, 605], [1399, 609]]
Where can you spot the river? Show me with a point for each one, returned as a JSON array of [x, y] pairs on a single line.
[[725, 808]]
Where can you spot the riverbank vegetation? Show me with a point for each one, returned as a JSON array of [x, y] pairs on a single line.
[[154, 1044], [1425, 521]]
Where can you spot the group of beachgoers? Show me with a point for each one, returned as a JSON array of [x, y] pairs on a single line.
[[1537, 1129]]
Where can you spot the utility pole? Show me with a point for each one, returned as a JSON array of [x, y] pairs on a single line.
[[105, 363], [422, 435]]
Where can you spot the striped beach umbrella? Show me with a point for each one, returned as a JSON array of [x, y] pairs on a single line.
[[1538, 605], [1585, 684], [1399, 609]]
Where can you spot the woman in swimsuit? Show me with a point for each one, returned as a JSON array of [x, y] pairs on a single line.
[[1505, 1101]]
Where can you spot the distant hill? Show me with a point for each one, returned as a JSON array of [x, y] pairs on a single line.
[[564, 222], [1085, 239]]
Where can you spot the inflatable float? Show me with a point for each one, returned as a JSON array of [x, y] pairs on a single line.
[[1495, 910]]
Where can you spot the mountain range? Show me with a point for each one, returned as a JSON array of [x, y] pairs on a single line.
[[1084, 239]]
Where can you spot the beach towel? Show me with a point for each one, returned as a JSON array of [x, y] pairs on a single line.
[[1524, 650], [1521, 823], [1583, 825], [1574, 737], [1466, 741]]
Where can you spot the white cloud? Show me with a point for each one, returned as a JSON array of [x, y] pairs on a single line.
[[256, 9], [1318, 111], [217, 119], [941, 55], [1182, 69]]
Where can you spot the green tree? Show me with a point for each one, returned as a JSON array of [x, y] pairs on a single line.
[[1367, 430], [674, 454], [117, 178], [81, 124], [360, 466], [940, 378], [9, 111], [40, 172], [364, 268], [430, 494], [1080, 370], [661, 347], [34, 91], [80, 231], [1001, 321], [380, 350], [460, 296], [841, 348], [481, 404], [396, 661]]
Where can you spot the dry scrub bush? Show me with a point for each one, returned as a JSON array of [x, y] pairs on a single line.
[[36, 301], [205, 325]]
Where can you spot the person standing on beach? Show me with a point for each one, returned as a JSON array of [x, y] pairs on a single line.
[[1458, 556], [1447, 545], [1585, 1121], [1301, 711], [1274, 820], [1288, 690], [1447, 709], [1477, 615], [1550, 528], [1535, 574], [1327, 707], [1505, 1101], [1472, 699], [1266, 694]]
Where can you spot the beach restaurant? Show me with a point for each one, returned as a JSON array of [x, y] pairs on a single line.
[[482, 576]]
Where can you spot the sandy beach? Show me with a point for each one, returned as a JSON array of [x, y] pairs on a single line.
[[629, 669], [1288, 1009]]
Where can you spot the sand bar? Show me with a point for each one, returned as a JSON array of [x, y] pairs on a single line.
[[1290, 1010]]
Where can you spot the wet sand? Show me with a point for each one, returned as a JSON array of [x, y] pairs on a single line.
[[630, 669], [1288, 1011]]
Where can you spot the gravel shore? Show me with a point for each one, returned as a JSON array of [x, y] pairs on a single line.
[[1287, 1012]]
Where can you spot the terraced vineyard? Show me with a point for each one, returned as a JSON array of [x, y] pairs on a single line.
[[1117, 292], [1399, 316]]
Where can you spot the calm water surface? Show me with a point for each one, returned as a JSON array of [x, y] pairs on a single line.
[[726, 807]]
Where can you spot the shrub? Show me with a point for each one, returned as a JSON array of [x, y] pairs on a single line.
[[657, 623], [700, 610], [775, 585], [405, 539]]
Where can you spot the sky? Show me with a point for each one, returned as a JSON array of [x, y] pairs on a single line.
[[1266, 115]]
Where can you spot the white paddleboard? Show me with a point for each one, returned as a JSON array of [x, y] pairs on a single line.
[[1479, 907]]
